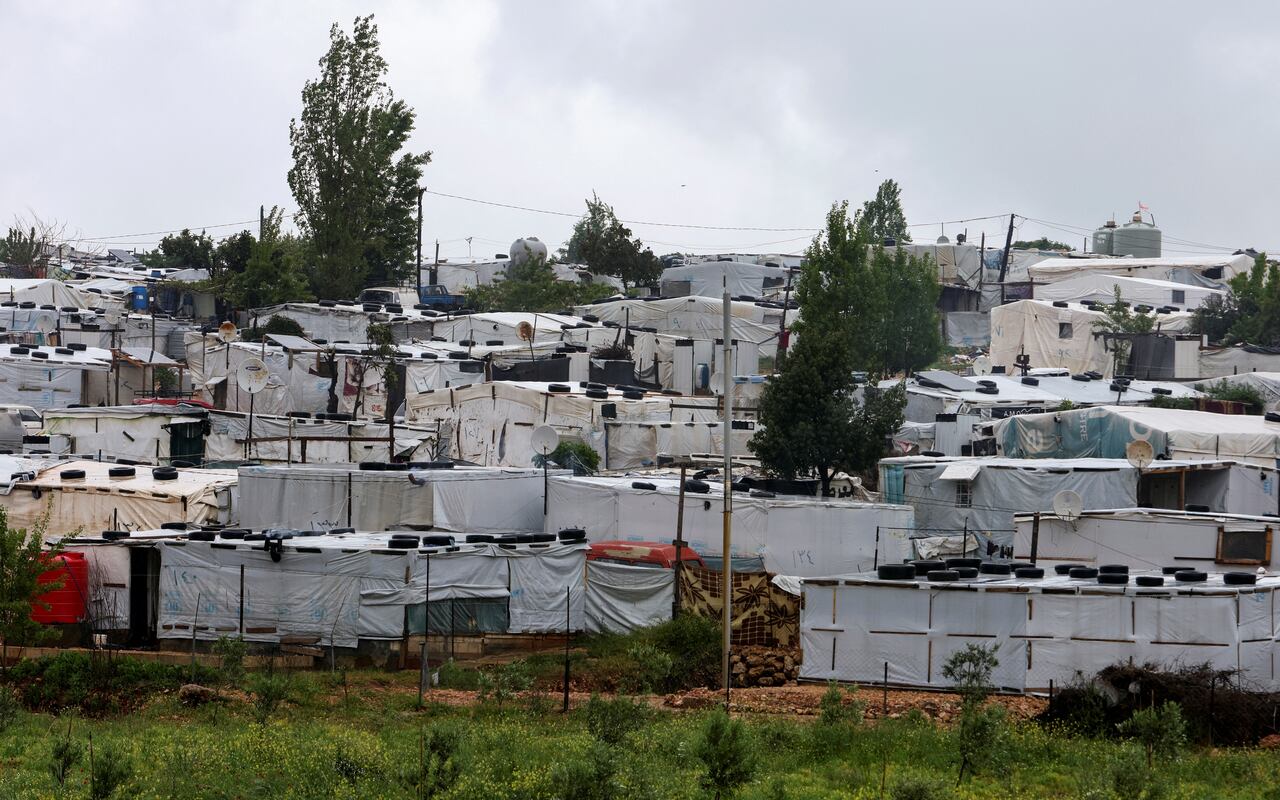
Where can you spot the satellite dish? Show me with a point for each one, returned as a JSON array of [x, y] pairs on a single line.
[[1139, 453], [45, 324], [717, 384], [252, 376], [112, 317], [227, 331], [1068, 505], [982, 365], [525, 331], [544, 440]]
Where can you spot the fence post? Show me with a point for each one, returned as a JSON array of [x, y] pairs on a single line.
[[567, 625], [884, 702]]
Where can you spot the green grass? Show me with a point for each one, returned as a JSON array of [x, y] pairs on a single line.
[[320, 745]]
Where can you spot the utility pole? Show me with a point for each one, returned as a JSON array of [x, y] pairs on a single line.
[[262, 220], [435, 265], [417, 277], [1004, 259], [727, 574], [782, 326]]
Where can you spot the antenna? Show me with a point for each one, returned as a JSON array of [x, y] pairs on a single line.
[[544, 441], [1139, 453], [252, 376], [1068, 505]]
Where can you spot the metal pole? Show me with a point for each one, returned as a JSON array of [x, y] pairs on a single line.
[[248, 441], [1035, 537], [675, 603], [418, 273], [545, 456], [884, 703], [728, 492], [875, 562], [424, 670], [242, 601], [567, 625]]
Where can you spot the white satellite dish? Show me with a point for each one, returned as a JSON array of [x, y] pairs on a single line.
[[982, 365], [252, 376], [717, 384], [544, 440], [1068, 505], [1139, 453], [46, 324], [227, 332], [525, 331], [112, 317]]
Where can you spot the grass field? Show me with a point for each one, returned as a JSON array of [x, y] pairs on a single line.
[[365, 737]]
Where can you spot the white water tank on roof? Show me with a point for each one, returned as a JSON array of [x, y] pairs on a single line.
[[528, 247], [1136, 238]]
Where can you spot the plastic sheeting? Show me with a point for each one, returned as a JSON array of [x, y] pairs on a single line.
[[695, 317], [622, 598], [98, 502], [1105, 431], [795, 536], [984, 505], [709, 278], [1051, 270], [1059, 337], [321, 498], [1102, 288], [967, 328], [1055, 629]]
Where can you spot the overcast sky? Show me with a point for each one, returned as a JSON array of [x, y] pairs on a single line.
[[125, 118]]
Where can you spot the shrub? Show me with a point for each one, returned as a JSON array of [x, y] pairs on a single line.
[[725, 753], [914, 787], [652, 667], [269, 690], [9, 708], [1161, 731], [693, 643], [231, 650], [833, 708], [96, 686], [64, 755], [439, 763], [1234, 392], [111, 769], [980, 727], [1131, 778], [504, 683], [611, 720], [452, 676], [587, 778]]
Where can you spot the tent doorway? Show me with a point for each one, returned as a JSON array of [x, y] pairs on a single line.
[[144, 584]]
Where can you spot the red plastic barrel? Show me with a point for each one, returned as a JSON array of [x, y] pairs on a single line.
[[66, 604]]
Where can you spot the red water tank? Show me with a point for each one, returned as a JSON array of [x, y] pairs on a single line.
[[66, 604]]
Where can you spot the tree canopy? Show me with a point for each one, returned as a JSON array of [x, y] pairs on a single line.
[[607, 247], [355, 186], [185, 250], [882, 217], [1250, 311], [816, 419], [1043, 243], [531, 285]]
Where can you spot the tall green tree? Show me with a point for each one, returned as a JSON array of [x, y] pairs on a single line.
[[232, 253], [185, 250], [273, 272], [24, 251], [608, 247], [815, 420], [882, 217], [355, 186], [531, 285], [1043, 243], [906, 331], [1117, 317]]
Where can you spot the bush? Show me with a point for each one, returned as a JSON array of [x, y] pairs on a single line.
[[231, 650], [64, 755], [9, 708], [452, 676], [652, 667], [914, 787], [1131, 778], [504, 683], [1235, 393], [439, 763], [725, 753], [269, 690], [691, 642], [981, 726], [111, 769], [588, 778], [611, 720], [96, 685], [838, 707], [1161, 731]]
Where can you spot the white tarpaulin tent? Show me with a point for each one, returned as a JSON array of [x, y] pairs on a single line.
[[622, 597], [794, 535], [1105, 432], [465, 499], [1051, 630], [1101, 287], [1145, 538], [1054, 336], [51, 380], [695, 317], [1220, 362], [1215, 268], [708, 278], [494, 422], [981, 502], [42, 291], [95, 501], [349, 322], [339, 589]]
